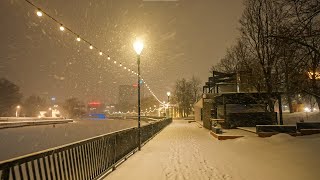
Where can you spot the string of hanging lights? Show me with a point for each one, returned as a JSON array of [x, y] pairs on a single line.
[[40, 13]]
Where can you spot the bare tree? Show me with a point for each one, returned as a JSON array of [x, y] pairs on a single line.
[[183, 96], [10, 97], [260, 19], [33, 104], [238, 59], [302, 29], [195, 84]]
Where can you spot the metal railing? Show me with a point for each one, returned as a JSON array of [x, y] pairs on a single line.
[[86, 159]]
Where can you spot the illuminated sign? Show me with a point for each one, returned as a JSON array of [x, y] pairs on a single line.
[[94, 104]]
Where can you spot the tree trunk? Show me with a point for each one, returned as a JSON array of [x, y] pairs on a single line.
[[269, 90], [290, 102], [289, 98], [318, 101]]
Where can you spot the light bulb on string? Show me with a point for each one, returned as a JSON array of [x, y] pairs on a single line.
[[124, 67], [120, 65], [61, 28], [78, 39], [100, 53], [39, 13], [91, 47], [109, 57], [115, 62]]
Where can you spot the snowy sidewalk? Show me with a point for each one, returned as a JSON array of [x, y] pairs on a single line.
[[185, 151]]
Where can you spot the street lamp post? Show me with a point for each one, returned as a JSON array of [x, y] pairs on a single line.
[[138, 47], [17, 111]]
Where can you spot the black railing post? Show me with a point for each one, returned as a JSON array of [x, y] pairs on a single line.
[[87, 159], [114, 153], [5, 174]]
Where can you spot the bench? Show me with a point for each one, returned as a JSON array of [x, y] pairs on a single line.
[[308, 128], [308, 125], [269, 130]]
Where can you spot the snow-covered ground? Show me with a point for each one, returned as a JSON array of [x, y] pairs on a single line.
[[185, 151]]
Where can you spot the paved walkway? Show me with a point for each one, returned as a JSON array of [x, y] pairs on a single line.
[[176, 153], [187, 151]]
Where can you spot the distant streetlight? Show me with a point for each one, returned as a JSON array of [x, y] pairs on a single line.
[[315, 75], [138, 47], [18, 110], [168, 94]]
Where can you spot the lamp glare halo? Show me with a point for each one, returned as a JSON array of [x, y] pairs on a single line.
[[138, 46]]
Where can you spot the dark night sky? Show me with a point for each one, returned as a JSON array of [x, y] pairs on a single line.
[[181, 38]]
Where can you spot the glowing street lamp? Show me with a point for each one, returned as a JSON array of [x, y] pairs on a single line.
[[138, 47], [168, 94], [18, 110], [315, 75]]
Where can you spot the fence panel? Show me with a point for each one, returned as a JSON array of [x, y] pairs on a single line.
[[86, 159]]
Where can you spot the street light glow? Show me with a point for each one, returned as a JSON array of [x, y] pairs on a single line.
[[307, 109], [138, 46], [18, 107], [168, 93], [316, 75], [61, 28]]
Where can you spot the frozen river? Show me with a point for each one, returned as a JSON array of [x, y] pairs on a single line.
[[24, 140]]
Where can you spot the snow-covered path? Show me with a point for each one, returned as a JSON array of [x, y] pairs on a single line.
[[186, 151]]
